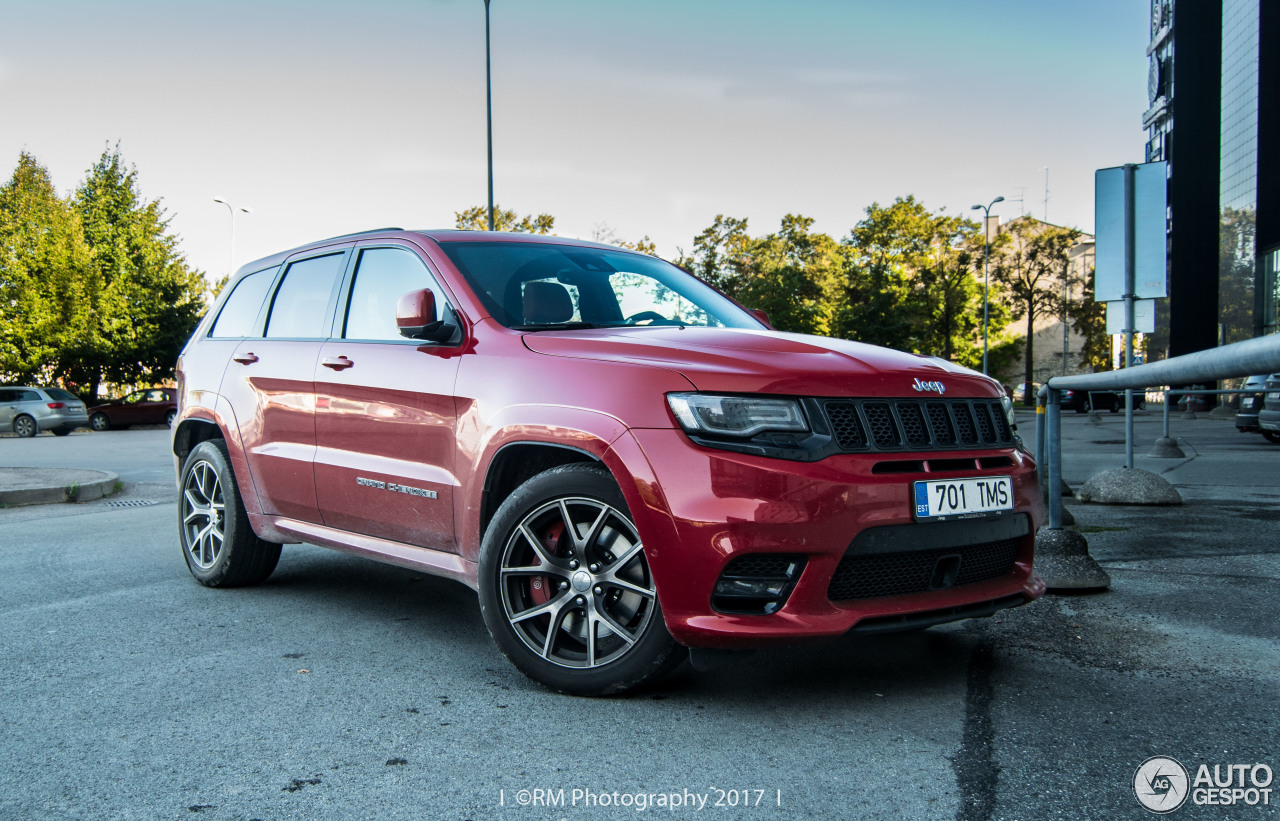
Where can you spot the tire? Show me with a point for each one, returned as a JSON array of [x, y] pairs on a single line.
[[100, 422], [565, 587], [25, 426], [1272, 436], [169, 417], [220, 548]]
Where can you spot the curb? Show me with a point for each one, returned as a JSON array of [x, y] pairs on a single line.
[[46, 486]]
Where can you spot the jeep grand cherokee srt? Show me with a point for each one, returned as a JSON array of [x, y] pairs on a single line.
[[619, 459]]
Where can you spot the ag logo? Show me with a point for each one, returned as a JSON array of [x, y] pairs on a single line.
[[1160, 784]]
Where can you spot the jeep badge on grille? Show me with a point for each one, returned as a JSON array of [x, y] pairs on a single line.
[[929, 386]]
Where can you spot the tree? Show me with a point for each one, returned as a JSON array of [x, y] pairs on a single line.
[[603, 233], [1030, 260], [722, 254], [883, 253], [42, 256], [477, 219], [1089, 319], [138, 301]]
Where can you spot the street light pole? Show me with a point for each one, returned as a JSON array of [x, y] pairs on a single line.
[[231, 267], [986, 277], [488, 104]]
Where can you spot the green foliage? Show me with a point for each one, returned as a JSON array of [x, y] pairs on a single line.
[[1030, 258], [1089, 319], [43, 256], [477, 219], [96, 289]]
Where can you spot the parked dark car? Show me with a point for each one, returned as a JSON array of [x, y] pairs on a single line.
[[1251, 404], [154, 406], [1085, 401], [1269, 416]]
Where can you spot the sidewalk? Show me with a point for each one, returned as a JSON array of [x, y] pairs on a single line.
[[42, 486]]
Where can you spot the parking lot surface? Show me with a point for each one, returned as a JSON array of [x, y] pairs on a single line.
[[347, 689]]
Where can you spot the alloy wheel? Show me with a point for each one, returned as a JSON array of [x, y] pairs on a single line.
[[202, 512], [24, 426], [574, 583]]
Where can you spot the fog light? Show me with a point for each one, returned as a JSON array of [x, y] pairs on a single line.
[[757, 583]]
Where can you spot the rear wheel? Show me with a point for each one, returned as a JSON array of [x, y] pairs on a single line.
[[99, 422], [565, 587], [25, 426], [218, 544]]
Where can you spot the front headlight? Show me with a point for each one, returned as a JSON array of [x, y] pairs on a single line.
[[740, 416]]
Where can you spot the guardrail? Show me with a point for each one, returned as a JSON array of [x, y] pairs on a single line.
[[1252, 356]]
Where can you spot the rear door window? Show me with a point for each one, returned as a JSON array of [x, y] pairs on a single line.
[[240, 312], [301, 307]]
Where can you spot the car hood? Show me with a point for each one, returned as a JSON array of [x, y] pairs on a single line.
[[745, 361]]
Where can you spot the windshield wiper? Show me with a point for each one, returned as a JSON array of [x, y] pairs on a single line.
[[558, 326]]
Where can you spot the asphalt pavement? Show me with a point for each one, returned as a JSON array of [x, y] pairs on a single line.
[[342, 688]]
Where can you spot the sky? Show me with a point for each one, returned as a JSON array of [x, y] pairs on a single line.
[[635, 117]]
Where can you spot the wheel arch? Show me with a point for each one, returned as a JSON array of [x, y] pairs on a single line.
[[516, 463]]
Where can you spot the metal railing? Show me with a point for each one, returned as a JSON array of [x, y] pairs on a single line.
[[1252, 356]]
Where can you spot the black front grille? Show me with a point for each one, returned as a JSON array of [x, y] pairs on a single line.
[[899, 574], [917, 424]]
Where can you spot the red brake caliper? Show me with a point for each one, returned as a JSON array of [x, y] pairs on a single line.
[[540, 587]]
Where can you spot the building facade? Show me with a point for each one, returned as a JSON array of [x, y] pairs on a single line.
[[1214, 95]]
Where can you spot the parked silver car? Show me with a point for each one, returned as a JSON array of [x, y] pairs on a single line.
[[26, 411]]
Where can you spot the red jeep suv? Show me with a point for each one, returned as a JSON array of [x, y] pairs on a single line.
[[619, 459]]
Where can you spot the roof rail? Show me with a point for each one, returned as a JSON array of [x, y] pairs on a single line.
[[359, 234]]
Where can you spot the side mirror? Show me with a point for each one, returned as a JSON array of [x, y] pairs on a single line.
[[763, 317], [416, 317]]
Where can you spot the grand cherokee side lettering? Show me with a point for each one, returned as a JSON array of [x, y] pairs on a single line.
[[392, 486]]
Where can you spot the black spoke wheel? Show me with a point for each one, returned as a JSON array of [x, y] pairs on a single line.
[[219, 546], [565, 586]]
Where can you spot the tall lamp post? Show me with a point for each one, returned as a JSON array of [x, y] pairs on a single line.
[[986, 278], [231, 266], [488, 105]]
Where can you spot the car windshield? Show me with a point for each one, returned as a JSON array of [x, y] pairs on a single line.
[[543, 286]]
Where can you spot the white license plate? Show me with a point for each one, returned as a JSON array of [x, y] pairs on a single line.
[[953, 498]]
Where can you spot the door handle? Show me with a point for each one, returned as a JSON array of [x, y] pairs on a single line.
[[339, 364], [247, 358]]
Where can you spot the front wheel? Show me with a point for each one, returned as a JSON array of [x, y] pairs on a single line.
[[565, 586], [100, 422], [218, 544]]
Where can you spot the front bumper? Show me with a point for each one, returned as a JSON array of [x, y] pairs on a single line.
[[702, 509]]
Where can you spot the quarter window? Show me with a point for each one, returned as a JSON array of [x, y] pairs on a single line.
[[242, 307], [383, 276], [302, 301]]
